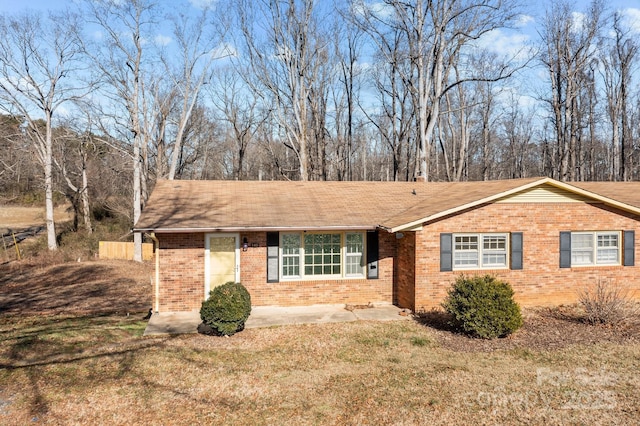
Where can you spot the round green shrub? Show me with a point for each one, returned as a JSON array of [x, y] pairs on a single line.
[[483, 306], [226, 309]]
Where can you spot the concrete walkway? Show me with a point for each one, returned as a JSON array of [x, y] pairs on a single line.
[[267, 316]]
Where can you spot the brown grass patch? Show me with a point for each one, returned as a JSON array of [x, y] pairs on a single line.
[[80, 363], [87, 370], [30, 287], [17, 217]]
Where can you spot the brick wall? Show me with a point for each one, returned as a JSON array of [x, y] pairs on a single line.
[[253, 274], [542, 281], [182, 276], [181, 272], [405, 274]]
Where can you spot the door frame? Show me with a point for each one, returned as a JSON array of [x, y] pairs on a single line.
[[207, 258]]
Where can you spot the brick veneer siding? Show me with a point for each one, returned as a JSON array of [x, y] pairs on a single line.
[[181, 272], [182, 276], [542, 281], [253, 274], [405, 273]]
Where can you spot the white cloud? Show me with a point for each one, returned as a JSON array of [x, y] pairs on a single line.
[[162, 40], [503, 43], [379, 9], [203, 4], [631, 19], [577, 21], [224, 50], [524, 20]]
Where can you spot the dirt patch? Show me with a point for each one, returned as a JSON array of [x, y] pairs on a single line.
[[91, 287], [543, 329]]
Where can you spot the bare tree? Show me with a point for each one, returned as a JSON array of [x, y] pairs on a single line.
[[238, 106], [437, 35], [73, 152], [617, 62], [198, 46], [39, 59], [286, 53], [119, 59], [569, 44]]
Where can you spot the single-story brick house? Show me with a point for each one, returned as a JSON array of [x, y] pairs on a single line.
[[402, 243]]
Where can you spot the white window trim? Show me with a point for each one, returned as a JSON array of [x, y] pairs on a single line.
[[595, 235], [480, 251], [281, 257], [343, 258], [362, 254]]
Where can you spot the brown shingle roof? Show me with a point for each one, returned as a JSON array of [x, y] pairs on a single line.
[[274, 204], [235, 205]]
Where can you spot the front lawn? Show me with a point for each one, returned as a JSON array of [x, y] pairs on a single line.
[[97, 369]]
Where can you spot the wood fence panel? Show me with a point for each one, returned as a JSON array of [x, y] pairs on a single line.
[[120, 250]]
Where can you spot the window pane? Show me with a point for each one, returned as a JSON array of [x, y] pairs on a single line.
[[467, 242], [582, 249], [463, 258], [322, 254], [354, 254], [494, 242], [581, 241], [466, 251], [608, 256], [494, 251], [290, 255], [494, 259], [607, 240], [607, 251], [583, 257]]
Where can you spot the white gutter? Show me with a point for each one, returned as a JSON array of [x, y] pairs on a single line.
[[257, 229]]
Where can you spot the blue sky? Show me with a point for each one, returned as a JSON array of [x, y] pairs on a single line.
[[502, 42]]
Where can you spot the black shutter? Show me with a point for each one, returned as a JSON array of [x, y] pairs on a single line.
[[273, 241], [446, 252], [565, 249], [629, 255], [516, 250], [372, 255]]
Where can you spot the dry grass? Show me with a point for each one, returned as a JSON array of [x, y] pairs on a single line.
[[17, 217], [80, 366], [96, 370]]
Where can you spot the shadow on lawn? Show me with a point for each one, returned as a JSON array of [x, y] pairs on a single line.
[[437, 319], [71, 287], [68, 342]]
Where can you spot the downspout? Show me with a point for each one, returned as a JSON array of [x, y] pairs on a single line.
[[157, 280]]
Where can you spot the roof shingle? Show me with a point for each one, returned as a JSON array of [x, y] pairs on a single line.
[[182, 205]]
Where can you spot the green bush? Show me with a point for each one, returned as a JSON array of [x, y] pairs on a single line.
[[483, 306], [226, 309]]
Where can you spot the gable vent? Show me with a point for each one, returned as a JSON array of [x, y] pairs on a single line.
[[545, 194]]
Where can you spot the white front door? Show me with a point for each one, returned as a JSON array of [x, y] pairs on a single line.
[[221, 260]]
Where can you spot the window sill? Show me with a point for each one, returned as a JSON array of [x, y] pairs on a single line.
[[323, 278]]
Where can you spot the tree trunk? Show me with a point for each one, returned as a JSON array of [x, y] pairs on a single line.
[[52, 243]]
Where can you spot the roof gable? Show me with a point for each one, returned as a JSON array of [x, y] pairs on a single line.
[[472, 194], [545, 193]]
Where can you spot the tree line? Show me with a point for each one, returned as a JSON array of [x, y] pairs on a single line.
[[99, 102]]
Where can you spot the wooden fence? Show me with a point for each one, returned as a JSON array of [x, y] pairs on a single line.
[[119, 250]]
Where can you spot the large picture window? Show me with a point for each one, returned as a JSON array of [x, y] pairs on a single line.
[[335, 254], [478, 251], [322, 254]]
